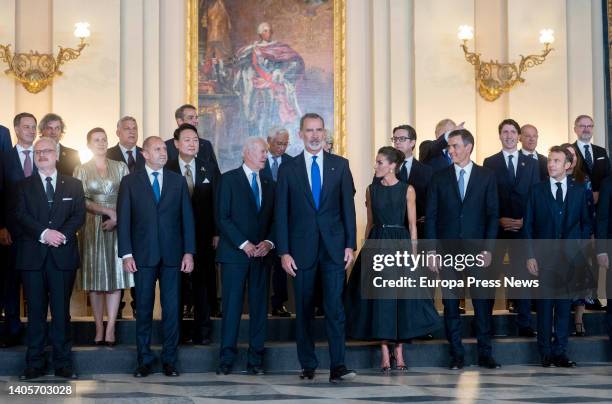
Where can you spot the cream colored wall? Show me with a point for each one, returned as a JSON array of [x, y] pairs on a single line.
[[404, 65]]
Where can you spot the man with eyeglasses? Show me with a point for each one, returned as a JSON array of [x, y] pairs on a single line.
[[594, 159]]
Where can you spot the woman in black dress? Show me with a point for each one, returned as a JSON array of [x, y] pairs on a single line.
[[389, 202]]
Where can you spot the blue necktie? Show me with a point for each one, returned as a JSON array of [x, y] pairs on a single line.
[[255, 190], [274, 168], [156, 189], [588, 157], [447, 156], [315, 179], [461, 184]]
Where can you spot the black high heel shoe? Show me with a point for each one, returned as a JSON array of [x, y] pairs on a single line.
[[580, 331]]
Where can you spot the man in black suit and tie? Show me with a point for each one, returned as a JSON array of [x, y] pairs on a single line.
[[515, 174], [278, 140], [434, 153], [316, 231], [189, 114], [462, 204], [245, 212], [594, 158], [156, 240], [18, 164], [5, 139], [529, 141], [202, 180], [50, 209], [556, 210], [52, 126], [128, 152]]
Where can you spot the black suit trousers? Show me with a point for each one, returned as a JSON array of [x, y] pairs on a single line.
[[169, 287], [46, 288], [10, 284]]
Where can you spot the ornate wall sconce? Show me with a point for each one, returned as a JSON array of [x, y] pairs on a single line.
[[36, 71], [495, 78]]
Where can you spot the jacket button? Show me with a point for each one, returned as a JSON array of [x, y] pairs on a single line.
[[49, 221]]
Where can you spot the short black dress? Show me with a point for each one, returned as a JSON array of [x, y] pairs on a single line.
[[387, 319]]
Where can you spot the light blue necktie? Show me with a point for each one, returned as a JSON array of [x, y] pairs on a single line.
[[156, 189], [447, 157], [255, 190], [315, 179], [274, 168], [461, 184]]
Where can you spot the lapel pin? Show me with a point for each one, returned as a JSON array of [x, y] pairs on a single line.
[[333, 168], [202, 169]]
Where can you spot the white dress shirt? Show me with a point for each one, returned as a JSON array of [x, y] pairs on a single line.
[[192, 166], [249, 174], [43, 178], [308, 159], [515, 157], [533, 154], [553, 186], [160, 177], [279, 160], [22, 156], [124, 151], [466, 176]]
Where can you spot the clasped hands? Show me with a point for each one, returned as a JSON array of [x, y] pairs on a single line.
[[259, 250]]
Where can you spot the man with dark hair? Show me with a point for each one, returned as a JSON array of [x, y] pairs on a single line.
[[462, 204], [200, 286], [529, 142], [556, 210], [189, 114], [515, 174], [48, 257], [53, 126], [316, 231], [156, 240], [18, 164]]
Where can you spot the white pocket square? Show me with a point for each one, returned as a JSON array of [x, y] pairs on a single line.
[[206, 181], [66, 199], [600, 158]]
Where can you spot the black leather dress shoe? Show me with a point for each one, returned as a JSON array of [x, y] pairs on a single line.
[[224, 369], [66, 373], [31, 373], [281, 312], [547, 362], [527, 332], [307, 374], [201, 341], [563, 362], [426, 337], [340, 374], [170, 370], [255, 370], [488, 362], [456, 363], [142, 371]]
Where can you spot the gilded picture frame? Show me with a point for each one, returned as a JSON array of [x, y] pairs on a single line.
[[194, 63]]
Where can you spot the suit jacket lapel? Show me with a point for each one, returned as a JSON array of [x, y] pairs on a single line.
[[246, 184], [265, 193], [57, 194], [522, 163], [200, 174], [165, 184], [302, 173], [453, 179], [328, 168], [144, 177], [474, 177]]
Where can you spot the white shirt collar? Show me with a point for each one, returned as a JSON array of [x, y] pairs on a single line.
[[467, 168], [581, 144], [308, 156], [528, 153], [124, 150], [53, 176], [192, 165], [20, 148], [506, 154], [553, 182], [248, 171], [150, 171]]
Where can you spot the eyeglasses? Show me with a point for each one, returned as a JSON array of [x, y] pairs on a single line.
[[43, 152], [585, 126], [400, 139]]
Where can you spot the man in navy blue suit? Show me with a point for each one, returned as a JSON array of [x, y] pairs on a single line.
[[556, 210], [278, 140], [529, 143], [244, 217], [50, 209], [156, 239], [316, 231], [18, 164], [515, 174], [434, 153], [189, 114], [5, 139], [463, 205]]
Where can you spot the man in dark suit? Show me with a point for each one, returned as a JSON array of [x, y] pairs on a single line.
[[50, 209], [128, 152], [515, 174], [434, 153], [245, 211], [603, 234], [316, 231], [462, 204], [5, 140], [594, 158], [529, 142], [53, 127], [202, 180], [278, 140], [18, 164], [156, 240], [556, 210], [189, 114]]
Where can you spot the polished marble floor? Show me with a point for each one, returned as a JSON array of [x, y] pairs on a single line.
[[589, 383]]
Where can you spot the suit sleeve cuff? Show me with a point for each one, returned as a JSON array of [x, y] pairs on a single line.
[[126, 256], [243, 244], [42, 236], [271, 243]]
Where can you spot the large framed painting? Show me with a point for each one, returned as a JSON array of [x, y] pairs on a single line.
[[255, 66]]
